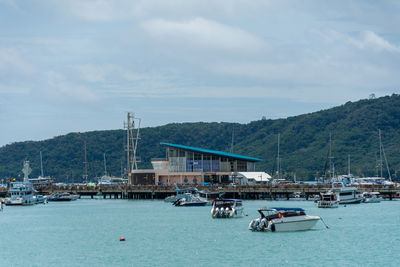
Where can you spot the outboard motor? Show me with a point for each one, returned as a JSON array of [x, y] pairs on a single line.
[[227, 211], [264, 223], [216, 211], [221, 212], [255, 224]]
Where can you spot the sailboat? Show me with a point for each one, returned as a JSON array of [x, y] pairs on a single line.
[[106, 179], [41, 180], [341, 191], [278, 179], [378, 179]]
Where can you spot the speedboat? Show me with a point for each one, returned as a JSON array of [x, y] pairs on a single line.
[[346, 194], [328, 200], [40, 199], [190, 201], [283, 220], [180, 193], [227, 208], [63, 197], [371, 197], [297, 196]]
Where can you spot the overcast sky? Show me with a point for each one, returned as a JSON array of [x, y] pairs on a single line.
[[75, 66]]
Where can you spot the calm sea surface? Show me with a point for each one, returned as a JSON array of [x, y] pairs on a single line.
[[86, 233]]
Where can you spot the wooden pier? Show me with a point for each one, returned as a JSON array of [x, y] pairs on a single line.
[[240, 192]]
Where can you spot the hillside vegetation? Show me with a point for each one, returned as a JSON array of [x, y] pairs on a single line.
[[304, 143]]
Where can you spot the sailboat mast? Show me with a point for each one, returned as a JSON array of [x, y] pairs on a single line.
[[233, 136], [348, 165], [384, 156], [380, 153], [85, 176], [105, 165], [330, 155], [41, 164], [278, 164]]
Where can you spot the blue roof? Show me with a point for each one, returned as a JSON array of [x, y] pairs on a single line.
[[212, 152]]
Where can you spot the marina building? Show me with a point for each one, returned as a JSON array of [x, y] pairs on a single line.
[[185, 164]]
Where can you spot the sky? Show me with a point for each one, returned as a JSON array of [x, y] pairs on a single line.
[[80, 65]]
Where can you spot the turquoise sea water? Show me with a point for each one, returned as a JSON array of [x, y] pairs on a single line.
[[86, 233]]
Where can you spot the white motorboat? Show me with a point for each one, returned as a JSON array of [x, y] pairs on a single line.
[[21, 194], [180, 193], [328, 200], [190, 201], [40, 199], [227, 208], [346, 194], [283, 220], [299, 196], [371, 197]]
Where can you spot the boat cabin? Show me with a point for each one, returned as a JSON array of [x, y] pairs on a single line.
[[275, 213]]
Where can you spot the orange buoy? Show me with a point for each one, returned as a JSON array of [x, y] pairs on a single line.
[[122, 239]]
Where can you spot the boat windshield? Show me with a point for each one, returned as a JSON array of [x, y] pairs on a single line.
[[224, 203]]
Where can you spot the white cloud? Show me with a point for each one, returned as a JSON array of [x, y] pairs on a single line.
[[370, 40], [203, 33]]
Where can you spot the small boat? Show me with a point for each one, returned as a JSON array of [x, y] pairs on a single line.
[[371, 197], [227, 208], [63, 197], [180, 193], [328, 200], [190, 201], [298, 196], [40, 199], [283, 220]]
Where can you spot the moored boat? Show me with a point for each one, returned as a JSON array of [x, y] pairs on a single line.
[[21, 193], [62, 197], [346, 194], [190, 201], [227, 208], [181, 192], [283, 220], [371, 197], [328, 200]]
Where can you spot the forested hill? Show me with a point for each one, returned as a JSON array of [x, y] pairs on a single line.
[[304, 143]]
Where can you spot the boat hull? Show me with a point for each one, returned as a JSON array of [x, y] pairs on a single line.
[[328, 204], [299, 224], [289, 224], [350, 201], [193, 204]]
